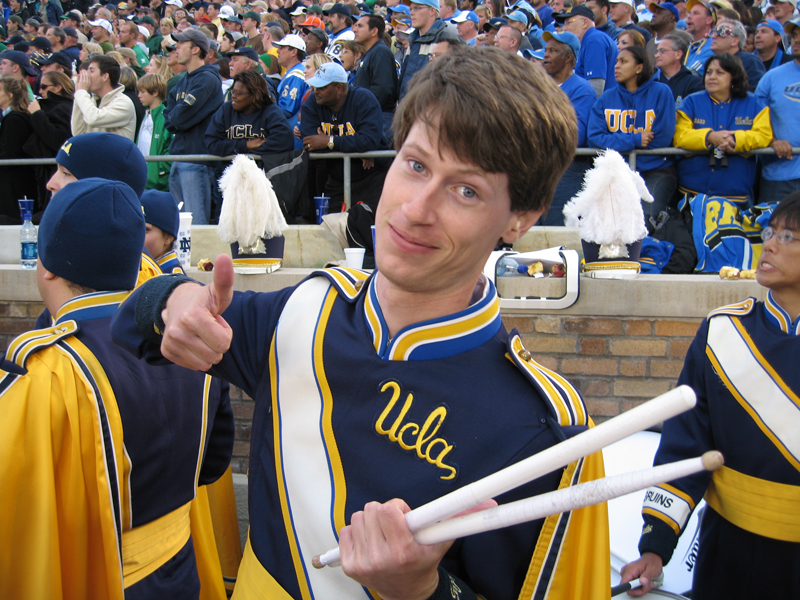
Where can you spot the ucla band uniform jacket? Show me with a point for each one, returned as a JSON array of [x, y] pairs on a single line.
[[345, 416], [743, 367]]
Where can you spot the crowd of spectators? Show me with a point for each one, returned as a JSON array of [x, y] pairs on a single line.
[[717, 78]]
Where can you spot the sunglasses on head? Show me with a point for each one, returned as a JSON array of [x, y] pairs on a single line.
[[722, 31]]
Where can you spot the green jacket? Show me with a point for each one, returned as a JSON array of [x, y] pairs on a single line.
[[158, 172]]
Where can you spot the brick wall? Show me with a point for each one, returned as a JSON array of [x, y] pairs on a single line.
[[615, 363], [16, 318]]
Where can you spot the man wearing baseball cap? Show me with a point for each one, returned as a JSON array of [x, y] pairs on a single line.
[[71, 48], [101, 33], [104, 447], [341, 21], [560, 55], [598, 51], [700, 20], [314, 36], [664, 22], [784, 11], [251, 21], [71, 19], [769, 42], [621, 12], [292, 87], [190, 105], [351, 120], [428, 30], [467, 26], [14, 63]]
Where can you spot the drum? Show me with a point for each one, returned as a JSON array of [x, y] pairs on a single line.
[[625, 519]]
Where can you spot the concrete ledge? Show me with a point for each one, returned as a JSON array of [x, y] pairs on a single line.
[[646, 296], [686, 296]]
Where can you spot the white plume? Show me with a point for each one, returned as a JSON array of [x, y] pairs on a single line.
[[608, 210], [250, 209]]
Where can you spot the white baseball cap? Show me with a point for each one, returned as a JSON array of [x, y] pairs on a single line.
[[292, 40], [102, 23]]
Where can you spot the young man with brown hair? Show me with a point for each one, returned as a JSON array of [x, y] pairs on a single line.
[[327, 362], [114, 113]]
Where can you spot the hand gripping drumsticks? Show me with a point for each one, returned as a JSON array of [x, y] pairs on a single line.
[[637, 419]]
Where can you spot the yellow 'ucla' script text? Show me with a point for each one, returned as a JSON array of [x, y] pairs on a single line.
[[411, 436]]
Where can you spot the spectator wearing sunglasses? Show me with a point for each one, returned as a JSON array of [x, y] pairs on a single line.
[[728, 37]]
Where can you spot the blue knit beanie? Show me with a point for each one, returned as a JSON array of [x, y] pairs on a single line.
[[92, 234], [161, 210], [106, 155]]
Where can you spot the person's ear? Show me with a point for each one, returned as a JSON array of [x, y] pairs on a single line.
[[519, 224]]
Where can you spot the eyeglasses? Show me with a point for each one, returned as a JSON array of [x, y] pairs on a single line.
[[502, 37], [722, 31], [665, 50], [239, 94], [784, 236], [44, 86]]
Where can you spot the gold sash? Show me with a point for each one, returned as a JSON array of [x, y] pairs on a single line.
[[762, 507], [148, 547]]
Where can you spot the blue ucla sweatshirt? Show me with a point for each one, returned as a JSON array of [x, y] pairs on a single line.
[[619, 117]]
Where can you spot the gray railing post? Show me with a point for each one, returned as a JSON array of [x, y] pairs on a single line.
[[632, 160], [347, 183]]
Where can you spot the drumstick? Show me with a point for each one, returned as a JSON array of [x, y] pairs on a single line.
[[637, 419], [565, 500]]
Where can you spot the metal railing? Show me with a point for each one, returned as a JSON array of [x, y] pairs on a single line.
[[347, 158]]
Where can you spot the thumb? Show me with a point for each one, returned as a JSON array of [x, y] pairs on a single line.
[[221, 288]]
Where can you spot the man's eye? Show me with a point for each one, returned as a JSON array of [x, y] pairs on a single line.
[[417, 166], [467, 192]]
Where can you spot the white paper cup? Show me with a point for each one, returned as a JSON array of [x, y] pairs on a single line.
[[184, 240], [354, 257]]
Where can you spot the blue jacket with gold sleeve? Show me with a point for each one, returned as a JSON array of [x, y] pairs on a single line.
[[742, 366], [102, 458], [346, 415], [700, 115]]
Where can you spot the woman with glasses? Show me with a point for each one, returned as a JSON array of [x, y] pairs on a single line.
[[719, 122], [250, 123], [638, 113]]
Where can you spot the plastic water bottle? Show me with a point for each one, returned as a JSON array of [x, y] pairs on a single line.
[[28, 237], [508, 267]]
